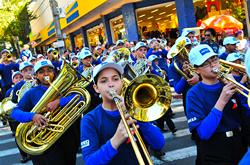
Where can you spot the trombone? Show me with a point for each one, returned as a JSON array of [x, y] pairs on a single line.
[[222, 75], [145, 101]]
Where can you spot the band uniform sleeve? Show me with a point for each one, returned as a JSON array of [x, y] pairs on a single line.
[[246, 159], [165, 52], [154, 72], [14, 96], [91, 151], [195, 113], [152, 134], [64, 100], [180, 86], [149, 52], [209, 124], [1, 68], [22, 112]]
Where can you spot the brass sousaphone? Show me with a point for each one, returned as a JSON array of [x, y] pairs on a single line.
[[34, 141]]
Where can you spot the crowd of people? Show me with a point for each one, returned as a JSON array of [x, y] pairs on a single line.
[[218, 117]]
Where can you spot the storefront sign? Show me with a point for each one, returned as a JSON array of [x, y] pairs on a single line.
[[58, 44]]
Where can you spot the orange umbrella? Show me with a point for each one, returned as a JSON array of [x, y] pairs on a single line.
[[222, 22]]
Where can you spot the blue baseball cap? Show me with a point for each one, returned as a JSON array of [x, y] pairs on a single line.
[[152, 57], [24, 64], [199, 54], [104, 65], [85, 54], [5, 50], [15, 73], [140, 44], [119, 41], [42, 63], [50, 49], [230, 40], [233, 57]]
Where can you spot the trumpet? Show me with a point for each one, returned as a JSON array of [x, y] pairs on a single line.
[[222, 75], [9, 57], [75, 64], [231, 65], [96, 56], [144, 101], [55, 53]]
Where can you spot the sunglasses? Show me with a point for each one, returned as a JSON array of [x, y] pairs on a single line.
[[207, 35]]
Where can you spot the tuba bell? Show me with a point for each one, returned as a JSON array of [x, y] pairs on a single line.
[[179, 51], [6, 108], [34, 141]]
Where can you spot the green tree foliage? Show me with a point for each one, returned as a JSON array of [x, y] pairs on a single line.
[[14, 21]]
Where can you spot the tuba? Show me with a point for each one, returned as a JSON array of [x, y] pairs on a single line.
[[179, 50], [120, 56], [34, 141], [141, 67], [6, 108]]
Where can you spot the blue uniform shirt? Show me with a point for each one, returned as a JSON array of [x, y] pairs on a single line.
[[214, 45], [199, 108], [22, 112], [160, 55], [8, 92], [223, 56], [6, 73], [57, 67], [16, 88], [95, 138]]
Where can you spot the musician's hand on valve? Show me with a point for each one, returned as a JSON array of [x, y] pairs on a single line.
[[150, 64], [194, 80], [244, 78], [226, 94], [53, 105], [39, 119], [121, 133]]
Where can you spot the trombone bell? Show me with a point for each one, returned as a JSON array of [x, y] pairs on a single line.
[[147, 97]]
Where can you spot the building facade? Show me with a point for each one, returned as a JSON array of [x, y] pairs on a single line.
[[88, 23]]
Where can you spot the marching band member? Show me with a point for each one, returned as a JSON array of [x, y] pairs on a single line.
[[217, 119], [242, 42], [246, 159], [154, 58], [16, 77], [119, 44], [40, 57], [107, 143], [161, 54], [32, 60], [209, 35], [63, 151], [133, 54], [242, 78], [86, 59], [98, 53], [6, 70], [141, 50], [180, 84], [189, 34], [76, 60], [230, 45], [26, 69], [55, 61]]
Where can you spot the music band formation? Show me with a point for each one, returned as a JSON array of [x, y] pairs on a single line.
[[111, 105]]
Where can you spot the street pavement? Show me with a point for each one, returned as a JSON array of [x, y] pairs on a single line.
[[179, 148]]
